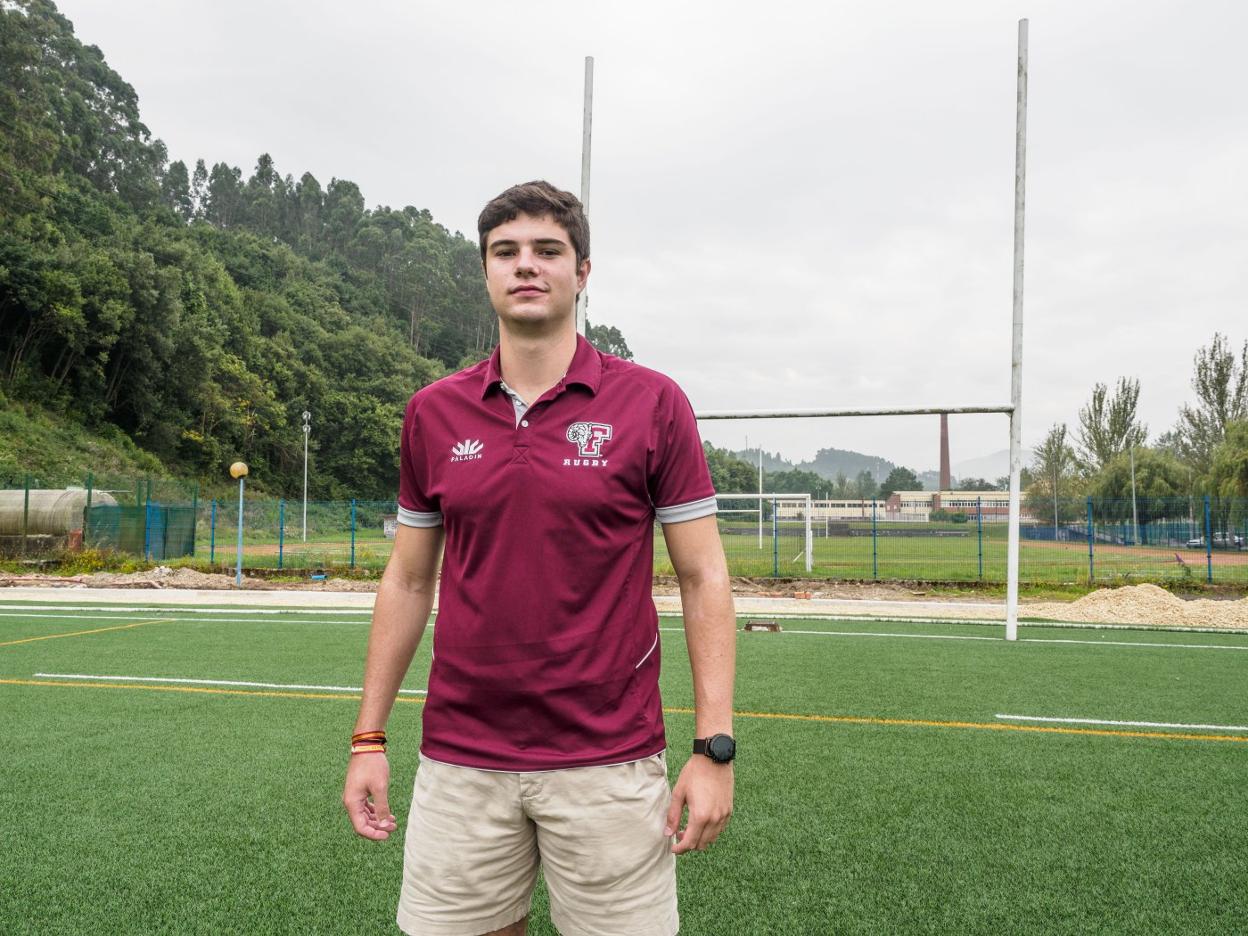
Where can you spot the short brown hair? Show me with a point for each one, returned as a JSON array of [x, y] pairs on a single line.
[[537, 199]]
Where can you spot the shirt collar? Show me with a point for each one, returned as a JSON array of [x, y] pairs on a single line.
[[585, 369]]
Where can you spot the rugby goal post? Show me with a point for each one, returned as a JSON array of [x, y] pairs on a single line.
[[1014, 409]]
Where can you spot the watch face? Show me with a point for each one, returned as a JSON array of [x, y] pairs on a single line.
[[721, 748]]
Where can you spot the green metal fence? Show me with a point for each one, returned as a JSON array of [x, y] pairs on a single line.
[[1099, 541], [145, 516], [336, 534], [1198, 539]]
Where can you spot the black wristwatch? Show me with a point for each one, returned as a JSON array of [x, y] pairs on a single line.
[[720, 748]]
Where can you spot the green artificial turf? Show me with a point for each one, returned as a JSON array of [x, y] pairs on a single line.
[[141, 810]]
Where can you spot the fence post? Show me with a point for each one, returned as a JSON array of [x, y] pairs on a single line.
[[212, 535], [194, 515], [147, 522], [1208, 543], [86, 513], [353, 532], [25, 510], [281, 530], [775, 540], [875, 541], [979, 520], [1091, 566]]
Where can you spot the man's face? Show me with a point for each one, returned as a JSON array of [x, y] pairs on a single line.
[[531, 272]]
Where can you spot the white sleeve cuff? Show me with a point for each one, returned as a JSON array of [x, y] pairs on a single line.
[[680, 513], [414, 518]]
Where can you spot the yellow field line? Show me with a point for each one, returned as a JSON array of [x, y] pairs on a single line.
[[781, 716], [982, 726], [201, 689], [83, 633]]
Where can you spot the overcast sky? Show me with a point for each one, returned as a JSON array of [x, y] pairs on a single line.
[[793, 204]]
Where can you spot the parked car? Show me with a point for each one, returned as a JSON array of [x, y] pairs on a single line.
[[1220, 541]]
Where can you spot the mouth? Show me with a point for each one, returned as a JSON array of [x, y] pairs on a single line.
[[527, 291]]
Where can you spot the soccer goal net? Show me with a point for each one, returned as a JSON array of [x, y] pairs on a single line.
[[767, 533]]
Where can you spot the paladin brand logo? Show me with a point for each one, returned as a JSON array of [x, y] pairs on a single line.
[[466, 450], [588, 438]]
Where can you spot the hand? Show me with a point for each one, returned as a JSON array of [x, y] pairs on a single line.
[[369, 775], [706, 788]]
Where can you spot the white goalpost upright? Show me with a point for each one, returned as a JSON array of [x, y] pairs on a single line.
[[587, 121]]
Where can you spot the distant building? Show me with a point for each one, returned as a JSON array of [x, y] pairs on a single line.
[[904, 507], [994, 506]]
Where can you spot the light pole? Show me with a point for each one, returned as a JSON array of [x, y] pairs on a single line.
[[239, 470], [307, 431]]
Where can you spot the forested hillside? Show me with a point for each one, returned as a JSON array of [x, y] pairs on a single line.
[[201, 312]]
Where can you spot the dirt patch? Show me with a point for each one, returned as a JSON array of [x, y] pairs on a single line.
[[1145, 555], [1143, 604], [814, 588], [165, 577]]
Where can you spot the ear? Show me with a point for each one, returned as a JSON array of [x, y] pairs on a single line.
[[582, 275]]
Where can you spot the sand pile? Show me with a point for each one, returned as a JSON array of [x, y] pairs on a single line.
[[1143, 604]]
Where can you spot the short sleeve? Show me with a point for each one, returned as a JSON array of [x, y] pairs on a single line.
[[416, 509], [678, 478]]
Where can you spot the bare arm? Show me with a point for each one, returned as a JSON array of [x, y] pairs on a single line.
[[404, 601], [710, 633]]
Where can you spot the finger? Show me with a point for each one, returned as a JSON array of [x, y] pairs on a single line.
[[712, 833], [357, 812], [677, 806], [689, 836], [381, 808]]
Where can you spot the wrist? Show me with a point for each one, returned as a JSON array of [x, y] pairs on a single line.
[[368, 742], [718, 748]]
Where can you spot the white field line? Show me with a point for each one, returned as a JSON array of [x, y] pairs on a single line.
[[218, 682], [152, 610], [1131, 643], [678, 630], [176, 620], [1119, 724], [1056, 640], [795, 615], [886, 634], [813, 615]]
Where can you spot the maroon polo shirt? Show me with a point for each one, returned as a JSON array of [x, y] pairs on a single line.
[[546, 650]]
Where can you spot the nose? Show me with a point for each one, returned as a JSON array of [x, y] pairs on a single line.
[[526, 261]]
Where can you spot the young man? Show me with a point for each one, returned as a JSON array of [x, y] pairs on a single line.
[[539, 473]]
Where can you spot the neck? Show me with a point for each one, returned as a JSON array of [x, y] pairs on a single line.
[[532, 364]]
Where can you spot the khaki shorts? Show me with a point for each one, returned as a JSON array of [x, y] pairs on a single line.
[[475, 839]]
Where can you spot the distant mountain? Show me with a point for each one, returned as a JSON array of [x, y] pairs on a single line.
[[770, 462], [828, 463]]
